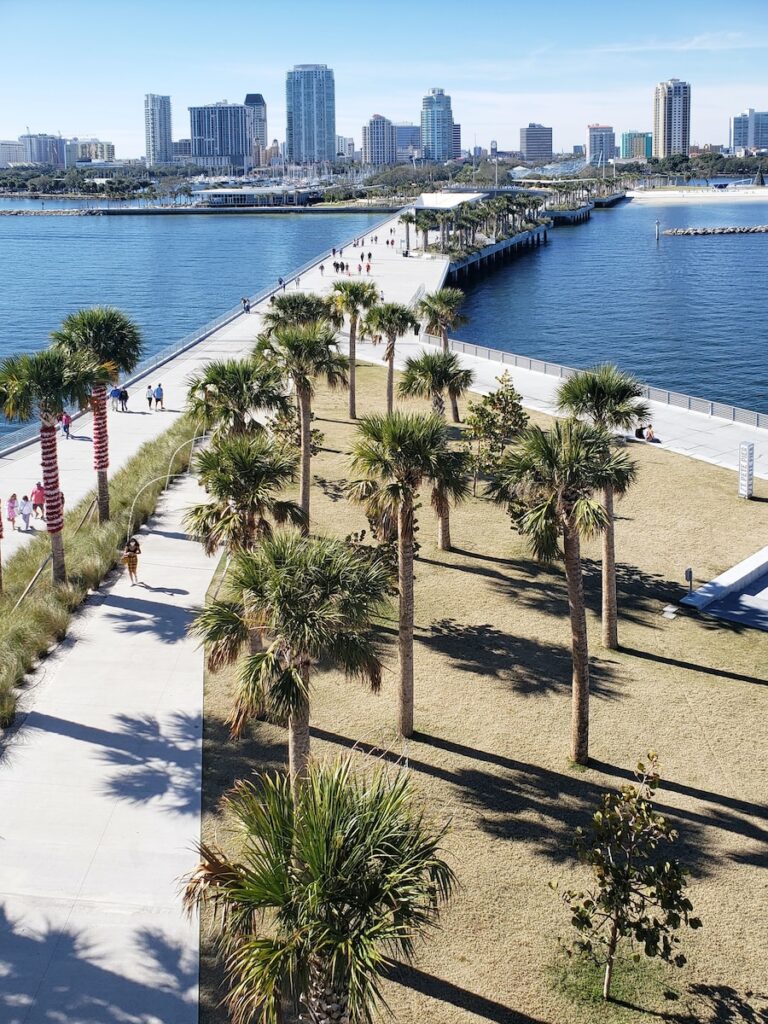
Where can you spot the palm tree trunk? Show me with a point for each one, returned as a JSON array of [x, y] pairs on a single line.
[[610, 610], [101, 449], [579, 649], [324, 1003], [390, 356], [305, 422], [54, 507], [455, 409], [444, 529], [352, 351], [298, 735], [405, 629], [444, 333]]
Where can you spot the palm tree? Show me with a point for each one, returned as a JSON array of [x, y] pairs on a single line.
[[450, 486], [391, 321], [431, 374], [312, 599], [441, 312], [43, 385], [408, 219], [305, 353], [242, 474], [613, 400], [231, 396], [548, 481], [353, 299], [331, 881], [296, 309], [112, 339], [396, 454]]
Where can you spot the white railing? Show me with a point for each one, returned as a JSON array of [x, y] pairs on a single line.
[[675, 399]]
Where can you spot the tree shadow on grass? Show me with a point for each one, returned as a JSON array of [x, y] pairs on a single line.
[[710, 1004], [335, 490]]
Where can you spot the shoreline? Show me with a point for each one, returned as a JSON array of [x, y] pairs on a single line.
[[694, 195]]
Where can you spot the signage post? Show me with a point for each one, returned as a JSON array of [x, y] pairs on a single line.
[[746, 469]]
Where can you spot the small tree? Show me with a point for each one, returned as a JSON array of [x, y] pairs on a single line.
[[639, 891], [493, 423]]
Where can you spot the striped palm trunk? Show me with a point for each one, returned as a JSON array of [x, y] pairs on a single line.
[[54, 505], [1, 555], [101, 449]]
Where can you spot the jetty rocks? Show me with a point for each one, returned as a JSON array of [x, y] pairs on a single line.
[[757, 229], [51, 213]]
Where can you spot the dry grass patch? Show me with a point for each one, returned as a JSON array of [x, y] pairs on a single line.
[[492, 714]]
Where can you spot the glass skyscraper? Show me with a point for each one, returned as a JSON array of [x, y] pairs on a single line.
[[157, 128], [437, 126], [310, 100]]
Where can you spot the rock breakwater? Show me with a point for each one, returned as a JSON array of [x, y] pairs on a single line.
[[756, 229]]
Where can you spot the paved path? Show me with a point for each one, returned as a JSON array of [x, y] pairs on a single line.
[[100, 796]]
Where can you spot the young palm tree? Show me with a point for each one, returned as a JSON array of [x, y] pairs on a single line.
[[304, 354], [43, 385], [431, 374], [408, 219], [297, 309], [113, 339], [243, 475], [549, 480], [441, 312], [231, 396], [397, 454], [450, 486], [353, 299], [331, 881], [391, 321], [613, 400], [312, 599]]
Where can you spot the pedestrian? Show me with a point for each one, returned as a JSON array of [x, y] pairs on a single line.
[[159, 398], [130, 559], [367, 268], [123, 400], [322, 270], [38, 501], [244, 302], [370, 257], [247, 306], [66, 423], [12, 509], [149, 396], [280, 283], [341, 252], [381, 295], [25, 508], [359, 268], [348, 271], [114, 394], [298, 280], [333, 251]]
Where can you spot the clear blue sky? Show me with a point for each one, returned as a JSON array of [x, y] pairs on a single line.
[[83, 67]]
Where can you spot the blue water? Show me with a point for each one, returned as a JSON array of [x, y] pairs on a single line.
[[688, 314]]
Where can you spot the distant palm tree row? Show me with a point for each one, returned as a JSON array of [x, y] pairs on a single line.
[[496, 218]]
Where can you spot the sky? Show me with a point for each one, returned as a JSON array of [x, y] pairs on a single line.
[[82, 67]]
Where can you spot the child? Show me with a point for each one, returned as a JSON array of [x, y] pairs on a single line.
[[11, 510]]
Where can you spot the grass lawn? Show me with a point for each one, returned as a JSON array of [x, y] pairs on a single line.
[[492, 683]]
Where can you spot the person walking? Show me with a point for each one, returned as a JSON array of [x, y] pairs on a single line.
[[281, 283], [149, 396], [159, 398], [130, 559], [370, 257], [38, 501], [244, 303], [66, 423], [114, 394], [12, 510], [298, 281], [25, 510], [123, 400], [322, 270]]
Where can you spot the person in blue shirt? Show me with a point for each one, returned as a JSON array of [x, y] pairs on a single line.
[[114, 394], [159, 396]]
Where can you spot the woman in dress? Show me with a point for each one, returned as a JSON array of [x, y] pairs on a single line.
[[131, 559]]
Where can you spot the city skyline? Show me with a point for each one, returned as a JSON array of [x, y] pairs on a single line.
[[561, 83]]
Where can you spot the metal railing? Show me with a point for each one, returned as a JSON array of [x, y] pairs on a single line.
[[675, 399]]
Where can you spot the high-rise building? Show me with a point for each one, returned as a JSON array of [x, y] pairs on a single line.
[[310, 98], [749, 130], [456, 152], [11, 152], [601, 144], [536, 143], [671, 118], [636, 145], [44, 149], [408, 141], [182, 150], [220, 134], [88, 149], [379, 141], [494, 149], [437, 140], [257, 108], [157, 129]]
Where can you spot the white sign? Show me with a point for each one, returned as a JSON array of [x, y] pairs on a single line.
[[746, 469]]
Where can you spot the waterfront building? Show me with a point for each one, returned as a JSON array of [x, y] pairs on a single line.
[[182, 150], [578, 150], [220, 135], [310, 97], [379, 142], [437, 140], [408, 136], [81, 150], [345, 147], [11, 152], [157, 129], [257, 109], [45, 149], [601, 144], [636, 145], [536, 143], [749, 130], [671, 118], [456, 152]]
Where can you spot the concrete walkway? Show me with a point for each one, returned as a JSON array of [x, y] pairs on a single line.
[[100, 793]]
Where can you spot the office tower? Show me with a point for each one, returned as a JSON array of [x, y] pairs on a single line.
[[50, 150], [601, 144], [456, 152], [88, 149], [671, 118], [257, 108], [749, 130], [636, 145], [310, 99], [379, 141], [408, 141], [578, 150], [437, 141], [11, 152], [182, 150], [536, 143], [157, 129], [220, 134]]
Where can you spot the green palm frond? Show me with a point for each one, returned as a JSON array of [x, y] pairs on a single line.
[[295, 309], [223, 628], [234, 396], [608, 396], [306, 353], [440, 310], [106, 333], [43, 384]]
